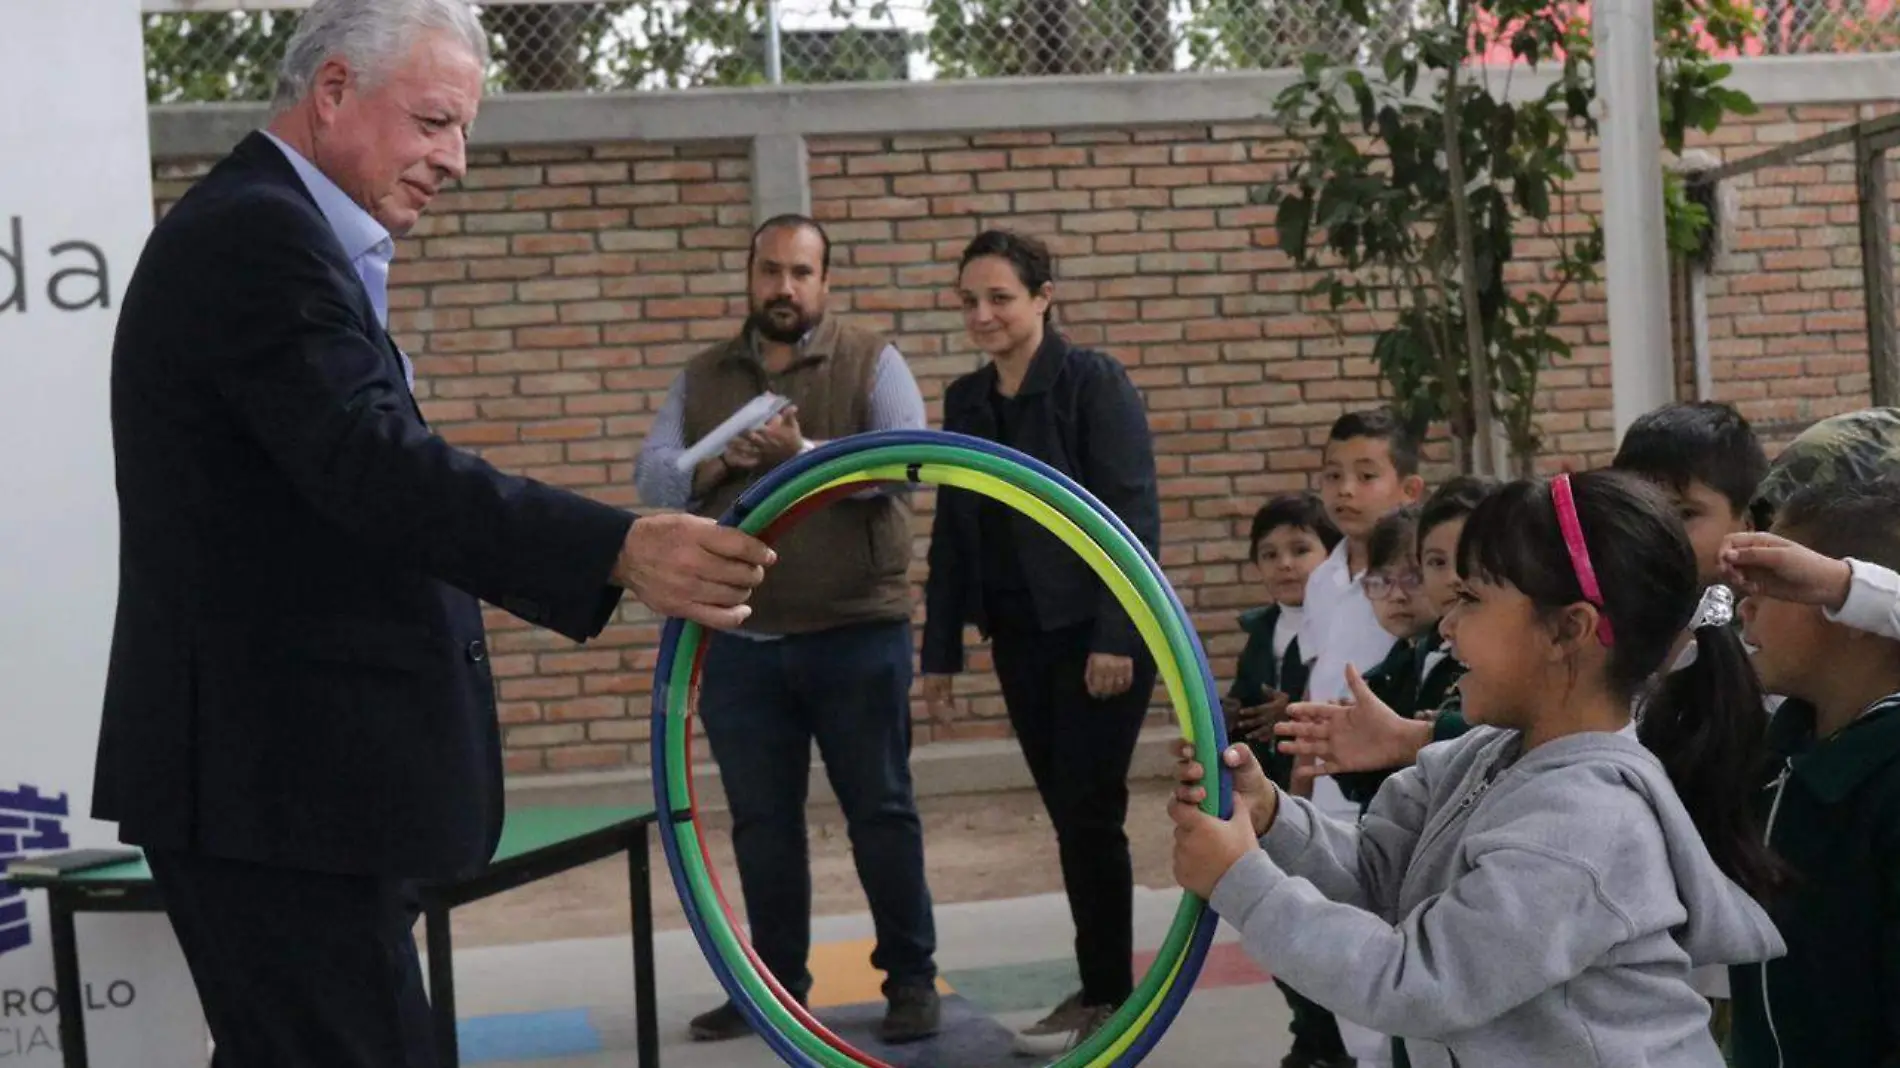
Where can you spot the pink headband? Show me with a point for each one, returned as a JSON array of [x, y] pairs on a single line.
[[1560, 495]]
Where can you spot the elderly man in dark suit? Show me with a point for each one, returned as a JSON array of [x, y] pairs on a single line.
[[299, 714]]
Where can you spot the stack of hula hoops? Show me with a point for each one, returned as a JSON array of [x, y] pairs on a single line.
[[850, 466]]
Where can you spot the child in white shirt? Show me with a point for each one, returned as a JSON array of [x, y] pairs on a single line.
[[1370, 471]]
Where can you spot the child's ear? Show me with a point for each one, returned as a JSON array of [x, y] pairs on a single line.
[[1575, 627], [1413, 486]]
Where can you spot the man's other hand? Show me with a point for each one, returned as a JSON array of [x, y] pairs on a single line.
[[778, 440]]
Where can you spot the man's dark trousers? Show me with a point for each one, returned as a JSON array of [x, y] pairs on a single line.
[[300, 969], [763, 703]]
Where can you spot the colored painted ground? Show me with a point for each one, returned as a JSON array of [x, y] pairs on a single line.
[[983, 1000]]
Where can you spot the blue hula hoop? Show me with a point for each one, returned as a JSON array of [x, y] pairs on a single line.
[[1195, 956]]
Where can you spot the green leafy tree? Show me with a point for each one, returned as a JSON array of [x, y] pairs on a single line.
[[547, 47], [680, 46], [1255, 35], [613, 44], [209, 56], [1011, 38], [1419, 186]]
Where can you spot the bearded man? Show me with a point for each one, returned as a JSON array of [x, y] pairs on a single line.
[[826, 653]]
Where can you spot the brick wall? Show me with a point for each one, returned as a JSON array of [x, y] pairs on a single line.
[[1786, 316], [549, 302]]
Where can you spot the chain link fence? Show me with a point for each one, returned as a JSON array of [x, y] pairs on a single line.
[[582, 45]]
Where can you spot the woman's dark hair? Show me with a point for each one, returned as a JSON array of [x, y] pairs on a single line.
[[1455, 499], [1393, 538], [1034, 265], [1303, 510], [1704, 722]]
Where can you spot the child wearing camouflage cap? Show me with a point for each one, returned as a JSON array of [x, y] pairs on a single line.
[[1857, 447], [1833, 797]]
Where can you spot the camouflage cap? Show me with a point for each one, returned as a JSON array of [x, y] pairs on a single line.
[[1861, 446]]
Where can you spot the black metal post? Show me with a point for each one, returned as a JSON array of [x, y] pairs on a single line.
[[442, 981], [645, 1007], [66, 988]]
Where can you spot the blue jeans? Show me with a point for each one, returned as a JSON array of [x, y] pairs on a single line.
[[762, 704]]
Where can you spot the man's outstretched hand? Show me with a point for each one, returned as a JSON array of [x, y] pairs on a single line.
[[691, 567]]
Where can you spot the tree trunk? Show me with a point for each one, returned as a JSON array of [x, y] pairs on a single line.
[[1460, 453], [1523, 462], [544, 46], [1483, 415]]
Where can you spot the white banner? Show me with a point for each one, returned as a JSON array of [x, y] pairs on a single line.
[[75, 207]]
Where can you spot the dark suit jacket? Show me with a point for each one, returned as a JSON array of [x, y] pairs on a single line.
[[298, 675], [1083, 417]]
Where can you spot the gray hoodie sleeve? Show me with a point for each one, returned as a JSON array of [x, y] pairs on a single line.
[[1532, 911], [1358, 864]]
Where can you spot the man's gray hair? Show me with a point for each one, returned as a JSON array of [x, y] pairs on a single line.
[[372, 35]]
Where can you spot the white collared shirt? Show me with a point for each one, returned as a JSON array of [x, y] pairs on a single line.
[[1287, 628], [1340, 628], [365, 241]]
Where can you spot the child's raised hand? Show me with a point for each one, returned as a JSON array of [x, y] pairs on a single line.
[[1365, 735], [1767, 565]]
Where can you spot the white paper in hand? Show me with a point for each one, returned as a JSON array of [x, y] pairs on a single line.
[[756, 413]]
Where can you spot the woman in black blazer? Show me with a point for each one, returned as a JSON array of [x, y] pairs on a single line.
[[1075, 675]]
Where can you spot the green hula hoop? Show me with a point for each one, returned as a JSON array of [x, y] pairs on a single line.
[[1088, 528]]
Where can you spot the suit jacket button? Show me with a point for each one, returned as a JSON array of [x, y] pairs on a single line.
[[477, 652]]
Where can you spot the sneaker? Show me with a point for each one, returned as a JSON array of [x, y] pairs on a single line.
[[720, 1025], [912, 1013], [1067, 1026]]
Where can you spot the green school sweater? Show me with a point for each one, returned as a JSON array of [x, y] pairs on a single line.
[[1260, 671], [1832, 810]]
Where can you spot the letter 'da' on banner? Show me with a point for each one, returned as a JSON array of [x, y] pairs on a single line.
[[75, 207]]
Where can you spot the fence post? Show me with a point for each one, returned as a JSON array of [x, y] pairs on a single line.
[[774, 64], [1876, 265]]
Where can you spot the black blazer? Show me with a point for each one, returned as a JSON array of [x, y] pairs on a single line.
[[1084, 418], [298, 676]]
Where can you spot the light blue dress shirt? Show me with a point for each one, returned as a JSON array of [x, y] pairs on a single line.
[[364, 240]]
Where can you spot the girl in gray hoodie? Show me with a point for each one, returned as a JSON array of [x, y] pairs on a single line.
[[1536, 892]]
